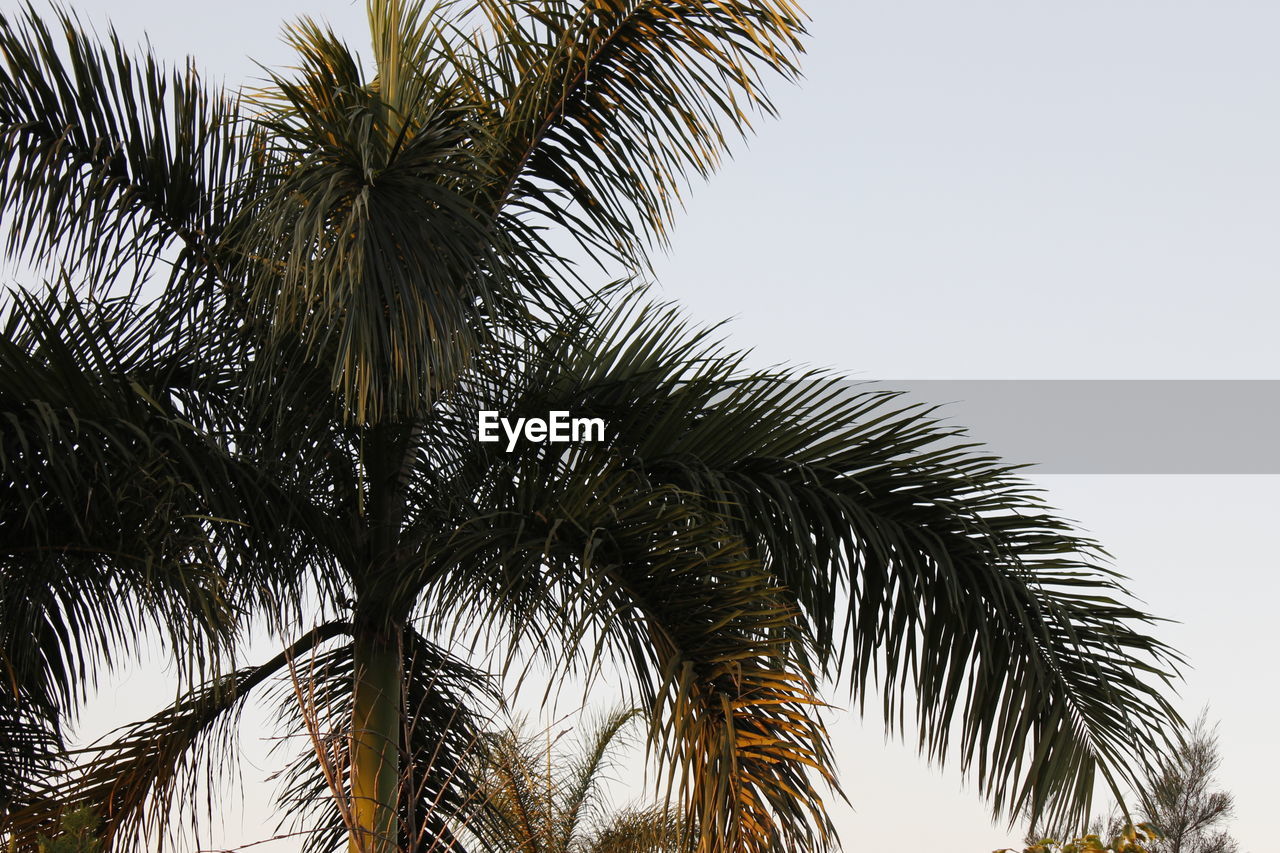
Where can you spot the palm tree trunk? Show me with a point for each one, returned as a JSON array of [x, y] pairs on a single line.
[[375, 741]]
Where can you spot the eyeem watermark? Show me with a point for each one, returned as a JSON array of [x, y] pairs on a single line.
[[556, 427]]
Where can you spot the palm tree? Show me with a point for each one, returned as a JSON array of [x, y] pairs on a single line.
[[534, 800], [350, 268]]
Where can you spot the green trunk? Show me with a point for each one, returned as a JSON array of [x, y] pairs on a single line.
[[375, 742]]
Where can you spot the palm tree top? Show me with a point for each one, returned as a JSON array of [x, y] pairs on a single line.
[[355, 265]]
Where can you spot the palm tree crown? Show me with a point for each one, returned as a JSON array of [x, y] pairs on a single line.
[[253, 396]]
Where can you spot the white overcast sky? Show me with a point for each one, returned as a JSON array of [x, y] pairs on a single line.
[[989, 189]]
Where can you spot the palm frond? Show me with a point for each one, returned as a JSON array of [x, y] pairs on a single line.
[[134, 779], [101, 535], [536, 796], [588, 560], [111, 158], [735, 716], [516, 793], [964, 592], [903, 554], [585, 772], [965, 595], [403, 223], [367, 241], [644, 830], [31, 744], [609, 104], [126, 506]]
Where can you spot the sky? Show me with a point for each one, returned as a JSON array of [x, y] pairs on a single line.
[[996, 189]]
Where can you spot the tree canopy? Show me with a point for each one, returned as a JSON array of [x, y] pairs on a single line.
[[249, 393]]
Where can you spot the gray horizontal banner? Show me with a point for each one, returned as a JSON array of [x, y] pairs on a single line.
[[1120, 426]]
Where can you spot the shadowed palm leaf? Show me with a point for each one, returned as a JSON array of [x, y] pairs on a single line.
[[851, 530], [116, 508], [112, 160]]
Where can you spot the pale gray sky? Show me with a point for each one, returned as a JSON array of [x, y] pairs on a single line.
[[987, 189]]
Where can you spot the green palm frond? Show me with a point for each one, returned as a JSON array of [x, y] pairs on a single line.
[[402, 227], [109, 159], [373, 252], [873, 543], [31, 742], [609, 104], [120, 447], [584, 547], [134, 778], [126, 508], [101, 536], [618, 569], [372, 240], [964, 591]]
